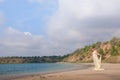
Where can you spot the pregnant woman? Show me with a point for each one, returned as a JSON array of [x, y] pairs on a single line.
[[96, 59]]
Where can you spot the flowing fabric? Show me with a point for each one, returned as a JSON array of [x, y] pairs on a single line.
[[96, 60]]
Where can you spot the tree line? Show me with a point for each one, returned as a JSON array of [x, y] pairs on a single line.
[[33, 59]]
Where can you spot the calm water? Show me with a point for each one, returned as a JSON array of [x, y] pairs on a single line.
[[10, 69]]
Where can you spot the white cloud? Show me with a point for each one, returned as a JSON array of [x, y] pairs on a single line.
[[1, 18], [33, 1], [17, 43], [80, 22], [27, 33], [14, 42]]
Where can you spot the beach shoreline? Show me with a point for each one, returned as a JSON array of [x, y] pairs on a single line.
[[111, 72]]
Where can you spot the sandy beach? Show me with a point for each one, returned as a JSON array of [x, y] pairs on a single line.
[[111, 72]]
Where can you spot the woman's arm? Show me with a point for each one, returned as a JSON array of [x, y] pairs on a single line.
[[98, 53]]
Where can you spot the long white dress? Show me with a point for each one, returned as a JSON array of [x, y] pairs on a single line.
[[96, 60]]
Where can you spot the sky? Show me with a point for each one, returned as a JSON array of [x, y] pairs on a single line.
[[55, 27]]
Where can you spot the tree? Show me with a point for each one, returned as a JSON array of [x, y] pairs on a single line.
[[114, 51]]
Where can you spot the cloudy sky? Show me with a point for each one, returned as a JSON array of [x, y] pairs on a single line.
[[55, 27]]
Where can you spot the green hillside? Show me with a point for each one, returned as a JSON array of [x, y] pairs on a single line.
[[110, 51]]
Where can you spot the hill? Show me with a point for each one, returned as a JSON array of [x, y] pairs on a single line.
[[110, 51]]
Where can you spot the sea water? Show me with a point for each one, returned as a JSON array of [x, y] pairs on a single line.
[[11, 69]]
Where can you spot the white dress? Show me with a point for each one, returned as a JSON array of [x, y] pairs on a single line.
[[96, 60]]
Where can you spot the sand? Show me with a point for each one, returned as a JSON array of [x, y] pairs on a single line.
[[111, 72]]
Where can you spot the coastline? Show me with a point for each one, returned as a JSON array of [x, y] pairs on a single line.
[[111, 72]]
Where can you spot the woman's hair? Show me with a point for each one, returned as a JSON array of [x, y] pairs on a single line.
[[93, 49]]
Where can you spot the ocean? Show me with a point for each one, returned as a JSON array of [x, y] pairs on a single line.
[[16, 69]]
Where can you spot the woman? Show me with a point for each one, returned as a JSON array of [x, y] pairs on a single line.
[[96, 59]]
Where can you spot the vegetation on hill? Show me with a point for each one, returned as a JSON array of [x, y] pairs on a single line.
[[110, 51]]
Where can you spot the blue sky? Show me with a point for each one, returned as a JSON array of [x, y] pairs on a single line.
[[26, 15], [55, 27]]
